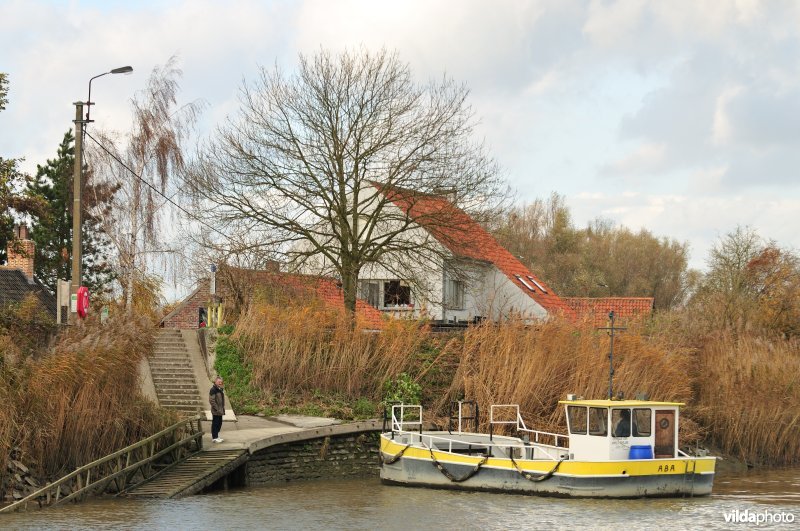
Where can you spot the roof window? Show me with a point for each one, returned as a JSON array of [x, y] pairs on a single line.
[[524, 282], [537, 284]]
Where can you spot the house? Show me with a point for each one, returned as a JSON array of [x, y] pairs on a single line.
[[596, 310], [234, 287], [17, 280], [473, 278]]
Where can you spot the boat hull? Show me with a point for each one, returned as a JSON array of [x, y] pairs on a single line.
[[581, 479]]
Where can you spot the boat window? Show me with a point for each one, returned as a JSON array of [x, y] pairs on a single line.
[[597, 421], [621, 420], [576, 415], [642, 422]]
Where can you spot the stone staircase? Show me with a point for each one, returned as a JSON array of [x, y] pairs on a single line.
[[173, 374]]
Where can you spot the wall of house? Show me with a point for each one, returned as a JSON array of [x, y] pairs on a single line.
[[186, 318], [501, 298]]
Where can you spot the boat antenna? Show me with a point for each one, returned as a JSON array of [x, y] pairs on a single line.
[[611, 329]]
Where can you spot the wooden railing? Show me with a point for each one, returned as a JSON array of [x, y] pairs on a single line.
[[120, 468]]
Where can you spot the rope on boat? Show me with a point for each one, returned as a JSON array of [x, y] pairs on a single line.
[[394, 458], [449, 475], [531, 477]]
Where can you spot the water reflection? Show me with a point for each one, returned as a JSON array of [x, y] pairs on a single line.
[[366, 504]]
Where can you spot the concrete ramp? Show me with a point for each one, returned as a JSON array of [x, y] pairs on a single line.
[[191, 475]]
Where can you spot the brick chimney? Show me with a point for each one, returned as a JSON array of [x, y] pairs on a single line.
[[21, 251]]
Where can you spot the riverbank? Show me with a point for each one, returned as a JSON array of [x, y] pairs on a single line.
[[73, 403]]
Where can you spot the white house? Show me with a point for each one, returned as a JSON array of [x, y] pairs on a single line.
[[470, 278]]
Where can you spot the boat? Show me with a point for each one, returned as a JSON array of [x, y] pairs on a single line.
[[612, 449]]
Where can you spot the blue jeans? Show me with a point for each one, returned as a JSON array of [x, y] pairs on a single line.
[[216, 425]]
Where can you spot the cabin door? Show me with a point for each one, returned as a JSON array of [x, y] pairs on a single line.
[[665, 434]]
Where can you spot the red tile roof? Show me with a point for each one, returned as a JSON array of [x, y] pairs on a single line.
[[295, 286], [464, 237], [597, 309]]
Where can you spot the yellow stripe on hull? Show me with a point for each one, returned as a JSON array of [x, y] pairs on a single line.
[[631, 468]]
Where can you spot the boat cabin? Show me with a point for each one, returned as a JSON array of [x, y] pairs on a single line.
[[601, 430]]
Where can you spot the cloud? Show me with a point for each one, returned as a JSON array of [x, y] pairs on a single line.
[[690, 106]]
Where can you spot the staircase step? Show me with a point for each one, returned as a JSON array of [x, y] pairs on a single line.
[[176, 386], [185, 404]]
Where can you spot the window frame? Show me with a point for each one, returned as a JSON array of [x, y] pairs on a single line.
[[570, 409], [635, 425], [605, 421], [614, 423]]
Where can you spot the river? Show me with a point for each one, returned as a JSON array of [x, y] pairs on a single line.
[[366, 504]]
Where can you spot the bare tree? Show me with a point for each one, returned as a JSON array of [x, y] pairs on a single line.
[[330, 165], [143, 163]]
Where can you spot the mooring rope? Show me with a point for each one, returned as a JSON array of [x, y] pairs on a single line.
[[394, 458], [528, 475], [449, 475]]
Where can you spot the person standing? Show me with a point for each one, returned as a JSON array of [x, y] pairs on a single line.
[[216, 397]]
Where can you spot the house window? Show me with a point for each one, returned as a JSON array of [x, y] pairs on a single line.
[[396, 294], [370, 292], [454, 291]]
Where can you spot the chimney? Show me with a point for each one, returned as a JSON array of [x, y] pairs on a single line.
[[21, 251]]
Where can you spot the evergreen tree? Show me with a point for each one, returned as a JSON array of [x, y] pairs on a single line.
[[14, 199], [52, 231]]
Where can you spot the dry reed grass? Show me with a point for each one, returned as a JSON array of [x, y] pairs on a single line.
[[82, 400], [743, 394], [309, 349], [748, 396], [536, 367]]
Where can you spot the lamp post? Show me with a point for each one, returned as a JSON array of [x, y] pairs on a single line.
[[77, 189]]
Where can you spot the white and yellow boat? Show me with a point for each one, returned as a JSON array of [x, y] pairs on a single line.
[[614, 449]]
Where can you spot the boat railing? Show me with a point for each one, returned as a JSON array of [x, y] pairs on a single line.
[[560, 441], [446, 444], [399, 417]]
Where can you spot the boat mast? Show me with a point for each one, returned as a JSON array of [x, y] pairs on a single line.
[[611, 330]]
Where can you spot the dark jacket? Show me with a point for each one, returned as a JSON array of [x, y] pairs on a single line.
[[216, 397]]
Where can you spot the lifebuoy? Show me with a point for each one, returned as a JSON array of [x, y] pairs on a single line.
[[83, 301]]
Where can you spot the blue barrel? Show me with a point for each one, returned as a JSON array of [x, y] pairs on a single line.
[[641, 451]]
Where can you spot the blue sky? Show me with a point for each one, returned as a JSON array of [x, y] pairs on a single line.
[[680, 117]]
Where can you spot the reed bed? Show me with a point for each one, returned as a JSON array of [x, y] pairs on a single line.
[[81, 401], [748, 396], [312, 349], [536, 367], [742, 395]]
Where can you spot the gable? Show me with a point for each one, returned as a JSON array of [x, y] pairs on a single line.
[[466, 238]]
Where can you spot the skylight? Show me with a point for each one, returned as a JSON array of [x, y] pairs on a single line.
[[537, 284], [523, 282]]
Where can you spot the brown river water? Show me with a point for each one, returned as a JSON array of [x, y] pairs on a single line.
[[367, 504]]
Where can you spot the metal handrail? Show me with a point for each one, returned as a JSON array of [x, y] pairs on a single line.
[[519, 424], [397, 425], [47, 491]]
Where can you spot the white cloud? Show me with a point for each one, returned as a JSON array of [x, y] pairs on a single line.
[[690, 106]]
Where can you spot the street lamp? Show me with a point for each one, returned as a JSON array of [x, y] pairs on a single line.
[[77, 188], [120, 70]]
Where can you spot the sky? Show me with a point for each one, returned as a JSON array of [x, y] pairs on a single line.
[[679, 117]]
